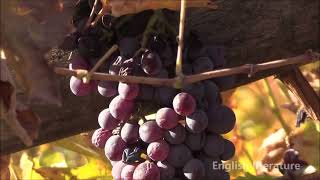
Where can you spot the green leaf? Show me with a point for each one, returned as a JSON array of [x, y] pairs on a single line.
[[249, 176], [52, 158], [94, 169], [74, 159], [73, 145]]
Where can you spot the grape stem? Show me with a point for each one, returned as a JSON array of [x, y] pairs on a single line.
[[179, 73], [87, 77], [95, 5], [308, 57]]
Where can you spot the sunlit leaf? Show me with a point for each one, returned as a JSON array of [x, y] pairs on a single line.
[[76, 146], [4, 167], [74, 159], [53, 173], [94, 169], [306, 140], [249, 176], [26, 165], [246, 160], [51, 158]]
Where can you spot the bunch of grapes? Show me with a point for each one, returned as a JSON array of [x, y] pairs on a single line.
[[184, 140]]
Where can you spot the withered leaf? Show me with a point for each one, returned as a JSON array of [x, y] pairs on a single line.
[[8, 110], [53, 173], [6, 90], [4, 167], [29, 120], [25, 39]]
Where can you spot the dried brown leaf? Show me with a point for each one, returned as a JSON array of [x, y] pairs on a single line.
[[53, 173], [29, 120], [8, 110], [26, 38], [4, 167]]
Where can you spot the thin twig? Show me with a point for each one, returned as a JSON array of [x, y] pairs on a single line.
[[244, 69], [179, 72], [254, 68], [87, 77], [275, 108], [95, 5]]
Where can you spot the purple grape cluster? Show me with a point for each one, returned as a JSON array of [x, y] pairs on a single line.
[[184, 139]]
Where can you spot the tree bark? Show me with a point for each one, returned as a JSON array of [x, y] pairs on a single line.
[[252, 31]]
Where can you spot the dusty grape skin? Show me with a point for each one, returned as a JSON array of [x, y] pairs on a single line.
[[164, 96], [127, 172], [197, 121], [167, 171], [77, 62], [120, 108], [107, 121], [179, 155], [187, 69], [217, 55], [158, 150], [202, 64], [79, 88], [128, 91], [195, 141], [209, 163], [175, 135], [167, 118], [211, 92], [196, 90], [146, 171], [229, 150], [100, 137], [116, 170], [162, 74], [221, 119], [214, 145], [150, 132], [146, 93], [194, 169], [130, 133], [112, 162], [184, 104], [107, 88], [291, 156], [217, 174], [151, 63], [114, 148], [128, 46]]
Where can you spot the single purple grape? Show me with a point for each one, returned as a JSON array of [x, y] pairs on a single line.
[[184, 104], [100, 137]]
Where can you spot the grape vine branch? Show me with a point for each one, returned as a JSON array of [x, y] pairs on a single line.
[[179, 73], [249, 69]]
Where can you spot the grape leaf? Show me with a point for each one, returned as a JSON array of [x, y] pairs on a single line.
[[29, 120], [252, 177], [27, 36], [53, 173], [8, 104], [4, 167]]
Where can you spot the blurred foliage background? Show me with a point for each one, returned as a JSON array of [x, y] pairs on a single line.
[[266, 125]]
